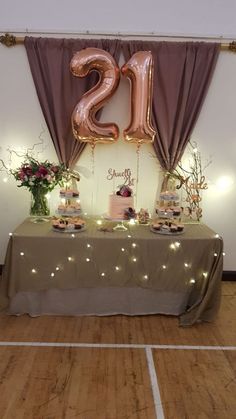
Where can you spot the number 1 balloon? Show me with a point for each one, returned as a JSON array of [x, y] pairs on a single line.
[[139, 70]]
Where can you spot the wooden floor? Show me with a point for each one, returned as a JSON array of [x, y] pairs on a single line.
[[119, 367]]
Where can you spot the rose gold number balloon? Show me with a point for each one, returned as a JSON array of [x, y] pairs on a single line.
[[139, 70], [84, 124]]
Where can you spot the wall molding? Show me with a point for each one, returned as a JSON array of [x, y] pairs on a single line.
[[229, 276]]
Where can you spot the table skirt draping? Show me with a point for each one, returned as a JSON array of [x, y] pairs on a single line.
[[98, 301], [133, 272]]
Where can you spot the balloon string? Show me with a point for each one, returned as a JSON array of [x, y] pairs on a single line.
[[137, 174], [92, 159], [93, 179]]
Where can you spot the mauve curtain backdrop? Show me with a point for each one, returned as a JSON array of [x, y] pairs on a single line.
[[182, 74], [58, 90]]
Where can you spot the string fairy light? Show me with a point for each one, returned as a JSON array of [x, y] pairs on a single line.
[[145, 277], [103, 274], [192, 281], [122, 249], [52, 274], [164, 267], [88, 245], [87, 259], [22, 253], [70, 258], [117, 268], [34, 271]]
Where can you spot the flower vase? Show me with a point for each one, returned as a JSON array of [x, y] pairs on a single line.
[[39, 204]]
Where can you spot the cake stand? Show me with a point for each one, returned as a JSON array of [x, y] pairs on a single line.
[[120, 226]]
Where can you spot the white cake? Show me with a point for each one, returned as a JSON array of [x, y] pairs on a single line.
[[118, 204]]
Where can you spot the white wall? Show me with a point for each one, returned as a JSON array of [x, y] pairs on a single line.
[[188, 17], [21, 119]]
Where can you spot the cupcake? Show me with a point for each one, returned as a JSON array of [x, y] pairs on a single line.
[[62, 192], [156, 226], [61, 208], [180, 227], [176, 211]]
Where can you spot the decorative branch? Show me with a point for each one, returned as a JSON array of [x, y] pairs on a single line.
[[192, 180]]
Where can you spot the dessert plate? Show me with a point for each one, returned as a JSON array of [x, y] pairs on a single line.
[[166, 232], [69, 230]]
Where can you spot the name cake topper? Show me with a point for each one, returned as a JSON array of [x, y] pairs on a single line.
[[126, 175]]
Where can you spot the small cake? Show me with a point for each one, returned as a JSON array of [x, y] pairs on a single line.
[[156, 226], [69, 193], [180, 227], [143, 216], [176, 211], [120, 203]]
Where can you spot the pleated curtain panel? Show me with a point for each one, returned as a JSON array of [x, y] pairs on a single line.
[[182, 75]]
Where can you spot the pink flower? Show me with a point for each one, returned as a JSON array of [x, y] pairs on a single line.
[[27, 170], [43, 171]]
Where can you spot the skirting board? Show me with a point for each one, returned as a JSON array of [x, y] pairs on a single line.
[[227, 275]]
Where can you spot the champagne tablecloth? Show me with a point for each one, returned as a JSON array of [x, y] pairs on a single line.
[[126, 272]]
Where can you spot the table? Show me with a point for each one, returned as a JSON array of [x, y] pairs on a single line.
[[133, 272]]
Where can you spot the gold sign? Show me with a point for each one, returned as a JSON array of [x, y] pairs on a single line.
[[126, 175]]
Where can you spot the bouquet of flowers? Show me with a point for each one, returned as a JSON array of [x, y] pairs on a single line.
[[40, 178], [34, 174]]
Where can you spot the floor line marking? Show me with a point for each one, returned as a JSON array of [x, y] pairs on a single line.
[[121, 345], [154, 384]]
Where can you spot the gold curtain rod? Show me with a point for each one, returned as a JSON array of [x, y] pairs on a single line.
[[10, 40]]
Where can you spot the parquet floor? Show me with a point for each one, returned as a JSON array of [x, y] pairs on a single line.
[[143, 367]]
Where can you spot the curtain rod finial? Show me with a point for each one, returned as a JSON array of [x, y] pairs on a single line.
[[8, 40]]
